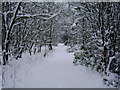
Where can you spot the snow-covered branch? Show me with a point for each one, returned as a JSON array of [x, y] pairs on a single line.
[[14, 15], [32, 16], [42, 16], [11, 24], [8, 12], [1, 13], [17, 23], [54, 15]]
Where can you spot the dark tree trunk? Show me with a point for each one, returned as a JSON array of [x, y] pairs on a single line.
[[7, 28], [50, 42], [50, 45]]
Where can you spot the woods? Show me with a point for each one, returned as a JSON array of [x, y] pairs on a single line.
[[90, 29], [18, 24], [98, 24]]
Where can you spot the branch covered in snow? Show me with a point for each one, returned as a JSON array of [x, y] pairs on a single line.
[[53, 15], [1, 13], [11, 23], [17, 23], [14, 16], [8, 12], [42, 16]]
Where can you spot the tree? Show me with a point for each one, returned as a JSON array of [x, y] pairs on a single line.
[[12, 17], [97, 24]]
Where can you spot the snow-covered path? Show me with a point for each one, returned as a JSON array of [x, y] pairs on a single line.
[[57, 71]]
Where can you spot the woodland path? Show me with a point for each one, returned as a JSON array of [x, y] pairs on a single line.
[[58, 71]]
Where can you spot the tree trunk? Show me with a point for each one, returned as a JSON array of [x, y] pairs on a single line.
[[6, 30], [50, 45], [50, 42]]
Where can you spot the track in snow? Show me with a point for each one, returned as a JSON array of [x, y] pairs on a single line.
[[57, 71]]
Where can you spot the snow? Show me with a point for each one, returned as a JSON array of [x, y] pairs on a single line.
[[43, 16], [111, 58], [15, 11], [56, 70], [54, 15], [0, 77], [0, 68], [74, 24]]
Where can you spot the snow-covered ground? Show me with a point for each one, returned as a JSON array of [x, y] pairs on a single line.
[[0, 77], [0, 68], [56, 70]]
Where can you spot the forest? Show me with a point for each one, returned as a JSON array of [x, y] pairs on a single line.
[[85, 34]]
